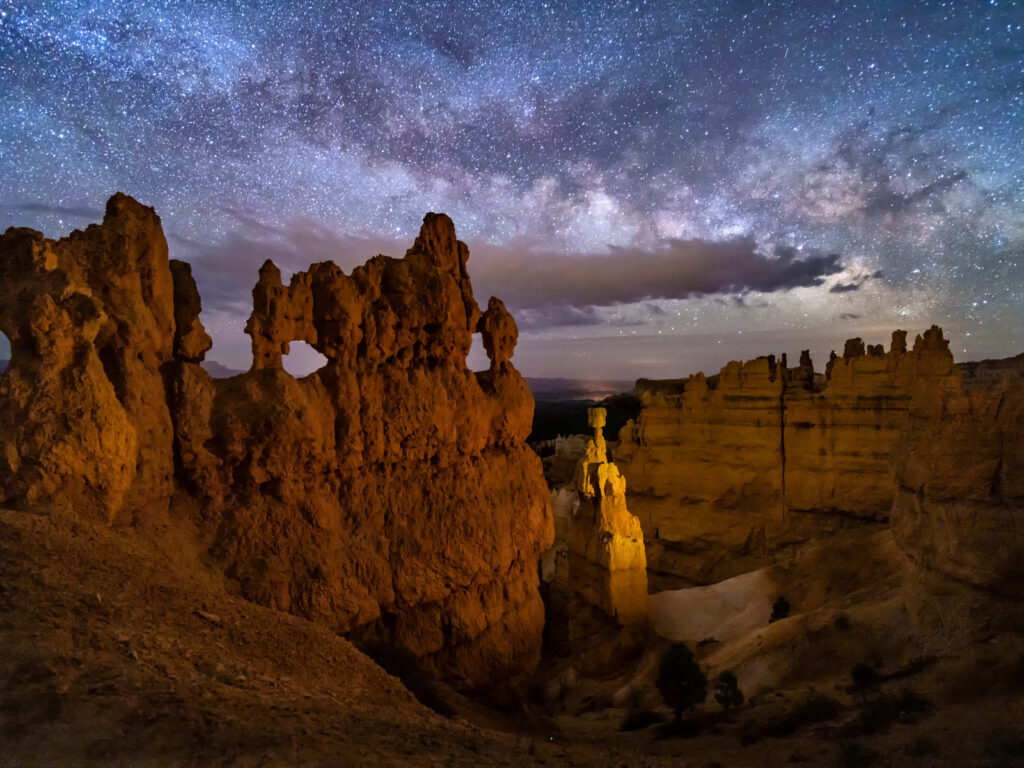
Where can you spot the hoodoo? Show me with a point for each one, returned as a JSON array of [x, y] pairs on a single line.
[[389, 494]]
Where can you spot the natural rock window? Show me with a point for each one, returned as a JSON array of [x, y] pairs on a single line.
[[477, 360], [302, 359]]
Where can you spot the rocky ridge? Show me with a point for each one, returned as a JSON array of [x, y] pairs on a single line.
[[389, 494], [726, 469]]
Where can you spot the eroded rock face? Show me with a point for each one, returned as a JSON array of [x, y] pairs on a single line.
[[959, 506], [724, 470], [389, 494], [83, 418], [606, 541]]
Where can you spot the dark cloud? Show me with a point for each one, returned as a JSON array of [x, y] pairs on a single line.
[[886, 201], [681, 269], [545, 290], [856, 283], [844, 287], [61, 210], [226, 269], [561, 316]]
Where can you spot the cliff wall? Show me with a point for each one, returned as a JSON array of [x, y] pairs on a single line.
[[958, 511], [726, 470], [388, 495]]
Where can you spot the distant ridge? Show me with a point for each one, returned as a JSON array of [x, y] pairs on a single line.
[[554, 389], [550, 389], [219, 371]]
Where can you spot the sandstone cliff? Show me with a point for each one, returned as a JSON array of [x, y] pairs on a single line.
[[727, 469], [389, 494], [958, 512]]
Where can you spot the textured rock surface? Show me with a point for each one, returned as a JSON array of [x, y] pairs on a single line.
[[726, 469], [959, 506], [388, 494], [606, 541], [83, 418]]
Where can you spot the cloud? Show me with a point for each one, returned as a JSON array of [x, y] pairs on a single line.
[[226, 269], [680, 269], [885, 200], [856, 283], [544, 289], [844, 287], [81, 211], [561, 316]]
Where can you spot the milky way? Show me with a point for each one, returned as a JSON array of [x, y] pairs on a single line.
[[656, 187]]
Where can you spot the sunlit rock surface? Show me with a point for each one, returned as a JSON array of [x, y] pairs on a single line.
[[389, 494]]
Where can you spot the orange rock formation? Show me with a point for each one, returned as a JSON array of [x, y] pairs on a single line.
[[959, 507], [389, 494], [724, 469], [605, 541]]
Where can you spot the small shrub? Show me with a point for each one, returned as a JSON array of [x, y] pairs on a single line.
[[639, 719], [1010, 745], [780, 610], [816, 708], [399, 661], [681, 681], [727, 691]]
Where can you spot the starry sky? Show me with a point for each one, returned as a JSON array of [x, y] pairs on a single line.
[[653, 187]]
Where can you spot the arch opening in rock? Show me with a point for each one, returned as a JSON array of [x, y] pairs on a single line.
[[231, 353], [5, 352], [477, 359], [302, 359]]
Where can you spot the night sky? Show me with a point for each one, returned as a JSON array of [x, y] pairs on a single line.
[[653, 187]]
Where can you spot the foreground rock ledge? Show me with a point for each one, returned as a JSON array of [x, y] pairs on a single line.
[[388, 495]]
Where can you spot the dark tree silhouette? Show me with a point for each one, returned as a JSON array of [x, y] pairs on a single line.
[[727, 691], [681, 681], [780, 610]]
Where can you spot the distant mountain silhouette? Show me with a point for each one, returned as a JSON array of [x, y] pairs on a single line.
[[219, 371], [576, 389]]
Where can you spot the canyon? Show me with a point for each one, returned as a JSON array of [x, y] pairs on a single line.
[[728, 470], [193, 562], [388, 496]]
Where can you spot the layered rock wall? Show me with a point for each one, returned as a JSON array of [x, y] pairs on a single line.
[[958, 511], [726, 469], [389, 494]]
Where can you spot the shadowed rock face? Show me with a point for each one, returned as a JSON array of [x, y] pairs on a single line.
[[959, 506], [389, 494]]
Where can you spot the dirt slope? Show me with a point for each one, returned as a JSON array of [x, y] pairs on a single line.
[[119, 651]]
